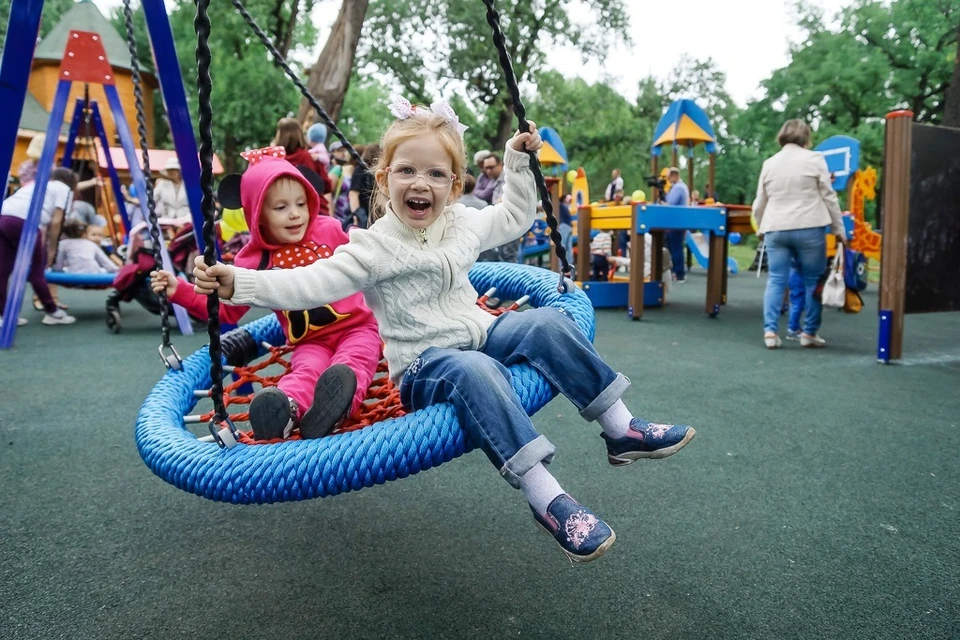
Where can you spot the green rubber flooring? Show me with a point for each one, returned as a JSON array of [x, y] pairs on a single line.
[[820, 499]]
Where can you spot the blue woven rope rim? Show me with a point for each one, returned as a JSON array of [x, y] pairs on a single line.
[[94, 280], [304, 469]]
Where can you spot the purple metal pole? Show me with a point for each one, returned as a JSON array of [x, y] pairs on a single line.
[[175, 100], [136, 173], [31, 228], [75, 123], [22, 29]]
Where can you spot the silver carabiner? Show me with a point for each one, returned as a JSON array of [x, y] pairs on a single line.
[[170, 360]]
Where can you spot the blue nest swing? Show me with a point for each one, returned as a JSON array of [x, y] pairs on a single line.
[[304, 469]]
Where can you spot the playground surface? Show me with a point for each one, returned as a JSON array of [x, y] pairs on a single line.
[[821, 498]]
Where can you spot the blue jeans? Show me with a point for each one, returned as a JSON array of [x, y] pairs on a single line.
[[806, 247], [798, 298], [477, 384], [676, 241], [566, 239]]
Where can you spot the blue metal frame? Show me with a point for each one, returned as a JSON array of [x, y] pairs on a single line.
[[178, 113], [31, 228], [660, 216], [75, 122], [139, 180], [22, 29]]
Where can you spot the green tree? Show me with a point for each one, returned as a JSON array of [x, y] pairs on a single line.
[[250, 94], [365, 114], [53, 10], [429, 46]]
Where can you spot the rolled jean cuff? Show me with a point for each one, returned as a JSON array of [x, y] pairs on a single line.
[[606, 399], [530, 455]]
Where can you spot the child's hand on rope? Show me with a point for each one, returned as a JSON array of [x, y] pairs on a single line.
[[217, 278], [530, 141], [163, 280]]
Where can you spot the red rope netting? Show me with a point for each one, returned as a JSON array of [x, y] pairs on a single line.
[[382, 402]]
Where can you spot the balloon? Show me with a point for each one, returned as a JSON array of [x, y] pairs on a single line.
[[571, 175], [638, 196], [735, 238], [753, 222]]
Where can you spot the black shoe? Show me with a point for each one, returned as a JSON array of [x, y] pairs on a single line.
[[271, 414], [332, 399]]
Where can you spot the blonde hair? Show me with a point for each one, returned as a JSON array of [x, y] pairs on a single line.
[[290, 135], [421, 123], [794, 132]]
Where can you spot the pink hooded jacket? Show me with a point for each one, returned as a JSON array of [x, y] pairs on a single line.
[[322, 236]]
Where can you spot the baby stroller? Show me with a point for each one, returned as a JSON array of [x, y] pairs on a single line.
[[132, 282]]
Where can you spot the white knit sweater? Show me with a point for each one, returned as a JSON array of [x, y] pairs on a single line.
[[418, 291]]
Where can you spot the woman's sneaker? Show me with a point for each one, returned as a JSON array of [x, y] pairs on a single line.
[[772, 341], [814, 342], [20, 321], [272, 414], [58, 317], [332, 399], [582, 536], [647, 440]]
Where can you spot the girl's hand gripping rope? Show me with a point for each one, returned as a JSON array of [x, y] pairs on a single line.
[[527, 141], [217, 278]]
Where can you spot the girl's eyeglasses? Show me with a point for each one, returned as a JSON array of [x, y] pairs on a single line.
[[436, 177]]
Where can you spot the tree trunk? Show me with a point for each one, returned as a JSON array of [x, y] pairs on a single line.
[[330, 76], [506, 125], [230, 154], [951, 110]]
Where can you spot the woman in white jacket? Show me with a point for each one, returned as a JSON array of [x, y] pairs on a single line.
[[794, 206]]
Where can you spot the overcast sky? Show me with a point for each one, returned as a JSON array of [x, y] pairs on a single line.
[[747, 40]]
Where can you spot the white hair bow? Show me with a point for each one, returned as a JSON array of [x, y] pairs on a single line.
[[402, 109]]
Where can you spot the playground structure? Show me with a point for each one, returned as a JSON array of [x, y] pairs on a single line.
[[86, 61], [684, 124], [921, 226]]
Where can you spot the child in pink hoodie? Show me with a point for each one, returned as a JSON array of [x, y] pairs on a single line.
[[337, 346]]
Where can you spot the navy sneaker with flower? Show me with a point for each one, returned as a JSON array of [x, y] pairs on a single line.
[[647, 440], [582, 536]]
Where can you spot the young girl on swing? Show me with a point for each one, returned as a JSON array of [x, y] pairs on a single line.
[[412, 266], [336, 347]]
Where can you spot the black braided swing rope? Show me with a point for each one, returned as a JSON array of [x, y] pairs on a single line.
[[282, 63], [148, 182], [201, 25], [493, 19]]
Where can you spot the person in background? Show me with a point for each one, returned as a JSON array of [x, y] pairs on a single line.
[[28, 168], [342, 175], [361, 188], [317, 137], [678, 196], [484, 188], [795, 204], [492, 176], [600, 252], [170, 194], [13, 215], [469, 198], [615, 186], [694, 197], [290, 136], [79, 250], [566, 226]]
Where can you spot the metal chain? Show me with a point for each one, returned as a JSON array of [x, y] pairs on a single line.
[[493, 19], [201, 26], [148, 182], [280, 62]]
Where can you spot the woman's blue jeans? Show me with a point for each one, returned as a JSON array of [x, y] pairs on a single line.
[[808, 249], [478, 384], [798, 299]]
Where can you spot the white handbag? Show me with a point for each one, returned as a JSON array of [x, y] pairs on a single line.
[[835, 289]]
